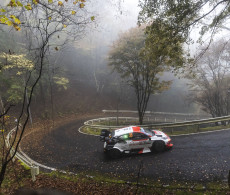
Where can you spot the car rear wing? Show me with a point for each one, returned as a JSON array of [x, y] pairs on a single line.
[[104, 135]]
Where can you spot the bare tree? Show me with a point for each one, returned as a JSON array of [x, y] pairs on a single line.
[[210, 80], [46, 26]]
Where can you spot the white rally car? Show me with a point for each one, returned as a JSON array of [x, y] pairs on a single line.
[[134, 139]]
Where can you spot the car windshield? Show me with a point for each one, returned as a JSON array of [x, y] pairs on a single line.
[[147, 132]]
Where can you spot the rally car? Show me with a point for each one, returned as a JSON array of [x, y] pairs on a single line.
[[134, 139]]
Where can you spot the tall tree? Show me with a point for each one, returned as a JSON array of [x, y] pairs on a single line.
[[210, 80], [142, 57], [46, 25]]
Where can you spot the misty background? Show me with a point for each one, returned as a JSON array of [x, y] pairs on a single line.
[[92, 85]]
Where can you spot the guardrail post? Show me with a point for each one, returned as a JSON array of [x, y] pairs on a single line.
[[198, 128], [34, 172], [229, 178]]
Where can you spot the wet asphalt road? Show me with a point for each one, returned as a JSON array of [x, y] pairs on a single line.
[[202, 157]]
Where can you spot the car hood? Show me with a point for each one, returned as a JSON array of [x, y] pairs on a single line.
[[159, 133]]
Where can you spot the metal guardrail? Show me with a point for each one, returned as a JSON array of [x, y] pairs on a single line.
[[34, 166], [22, 156], [135, 120], [92, 122], [150, 112]]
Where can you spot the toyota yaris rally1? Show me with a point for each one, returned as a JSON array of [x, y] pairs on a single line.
[[134, 139]]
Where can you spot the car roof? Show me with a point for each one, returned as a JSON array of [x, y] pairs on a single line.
[[126, 130]]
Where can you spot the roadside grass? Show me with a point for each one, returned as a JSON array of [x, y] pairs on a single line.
[[90, 130], [14, 177], [195, 129], [115, 184]]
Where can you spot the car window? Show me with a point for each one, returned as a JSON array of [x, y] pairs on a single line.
[[148, 132], [139, 136], [125, 137]]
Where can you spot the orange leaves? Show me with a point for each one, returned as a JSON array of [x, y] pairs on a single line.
[[19, 4], [82, 5], [15, 22], [12, 3], [60, 3], [35, 2], [73, 12], [11, 21], [92, 18], [28, 6]]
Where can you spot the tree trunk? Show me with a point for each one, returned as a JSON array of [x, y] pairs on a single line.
[[2, 105], [140, 117], [30, 115], [2, 173]]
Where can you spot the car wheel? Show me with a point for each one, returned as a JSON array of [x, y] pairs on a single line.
[[158, 146], [114, 153]]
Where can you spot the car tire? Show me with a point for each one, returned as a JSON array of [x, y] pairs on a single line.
[[158, 146], [114, 153]]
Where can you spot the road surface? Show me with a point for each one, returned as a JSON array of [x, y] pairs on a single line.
[[201, 157]]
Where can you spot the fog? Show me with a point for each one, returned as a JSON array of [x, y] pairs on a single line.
[[87, 62], [92, 83]]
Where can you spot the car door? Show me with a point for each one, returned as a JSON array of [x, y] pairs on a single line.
[[129, 141], [125, 141], [139, 140]]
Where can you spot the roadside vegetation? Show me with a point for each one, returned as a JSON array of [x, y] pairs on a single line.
[[18, 179], [182, 130]]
